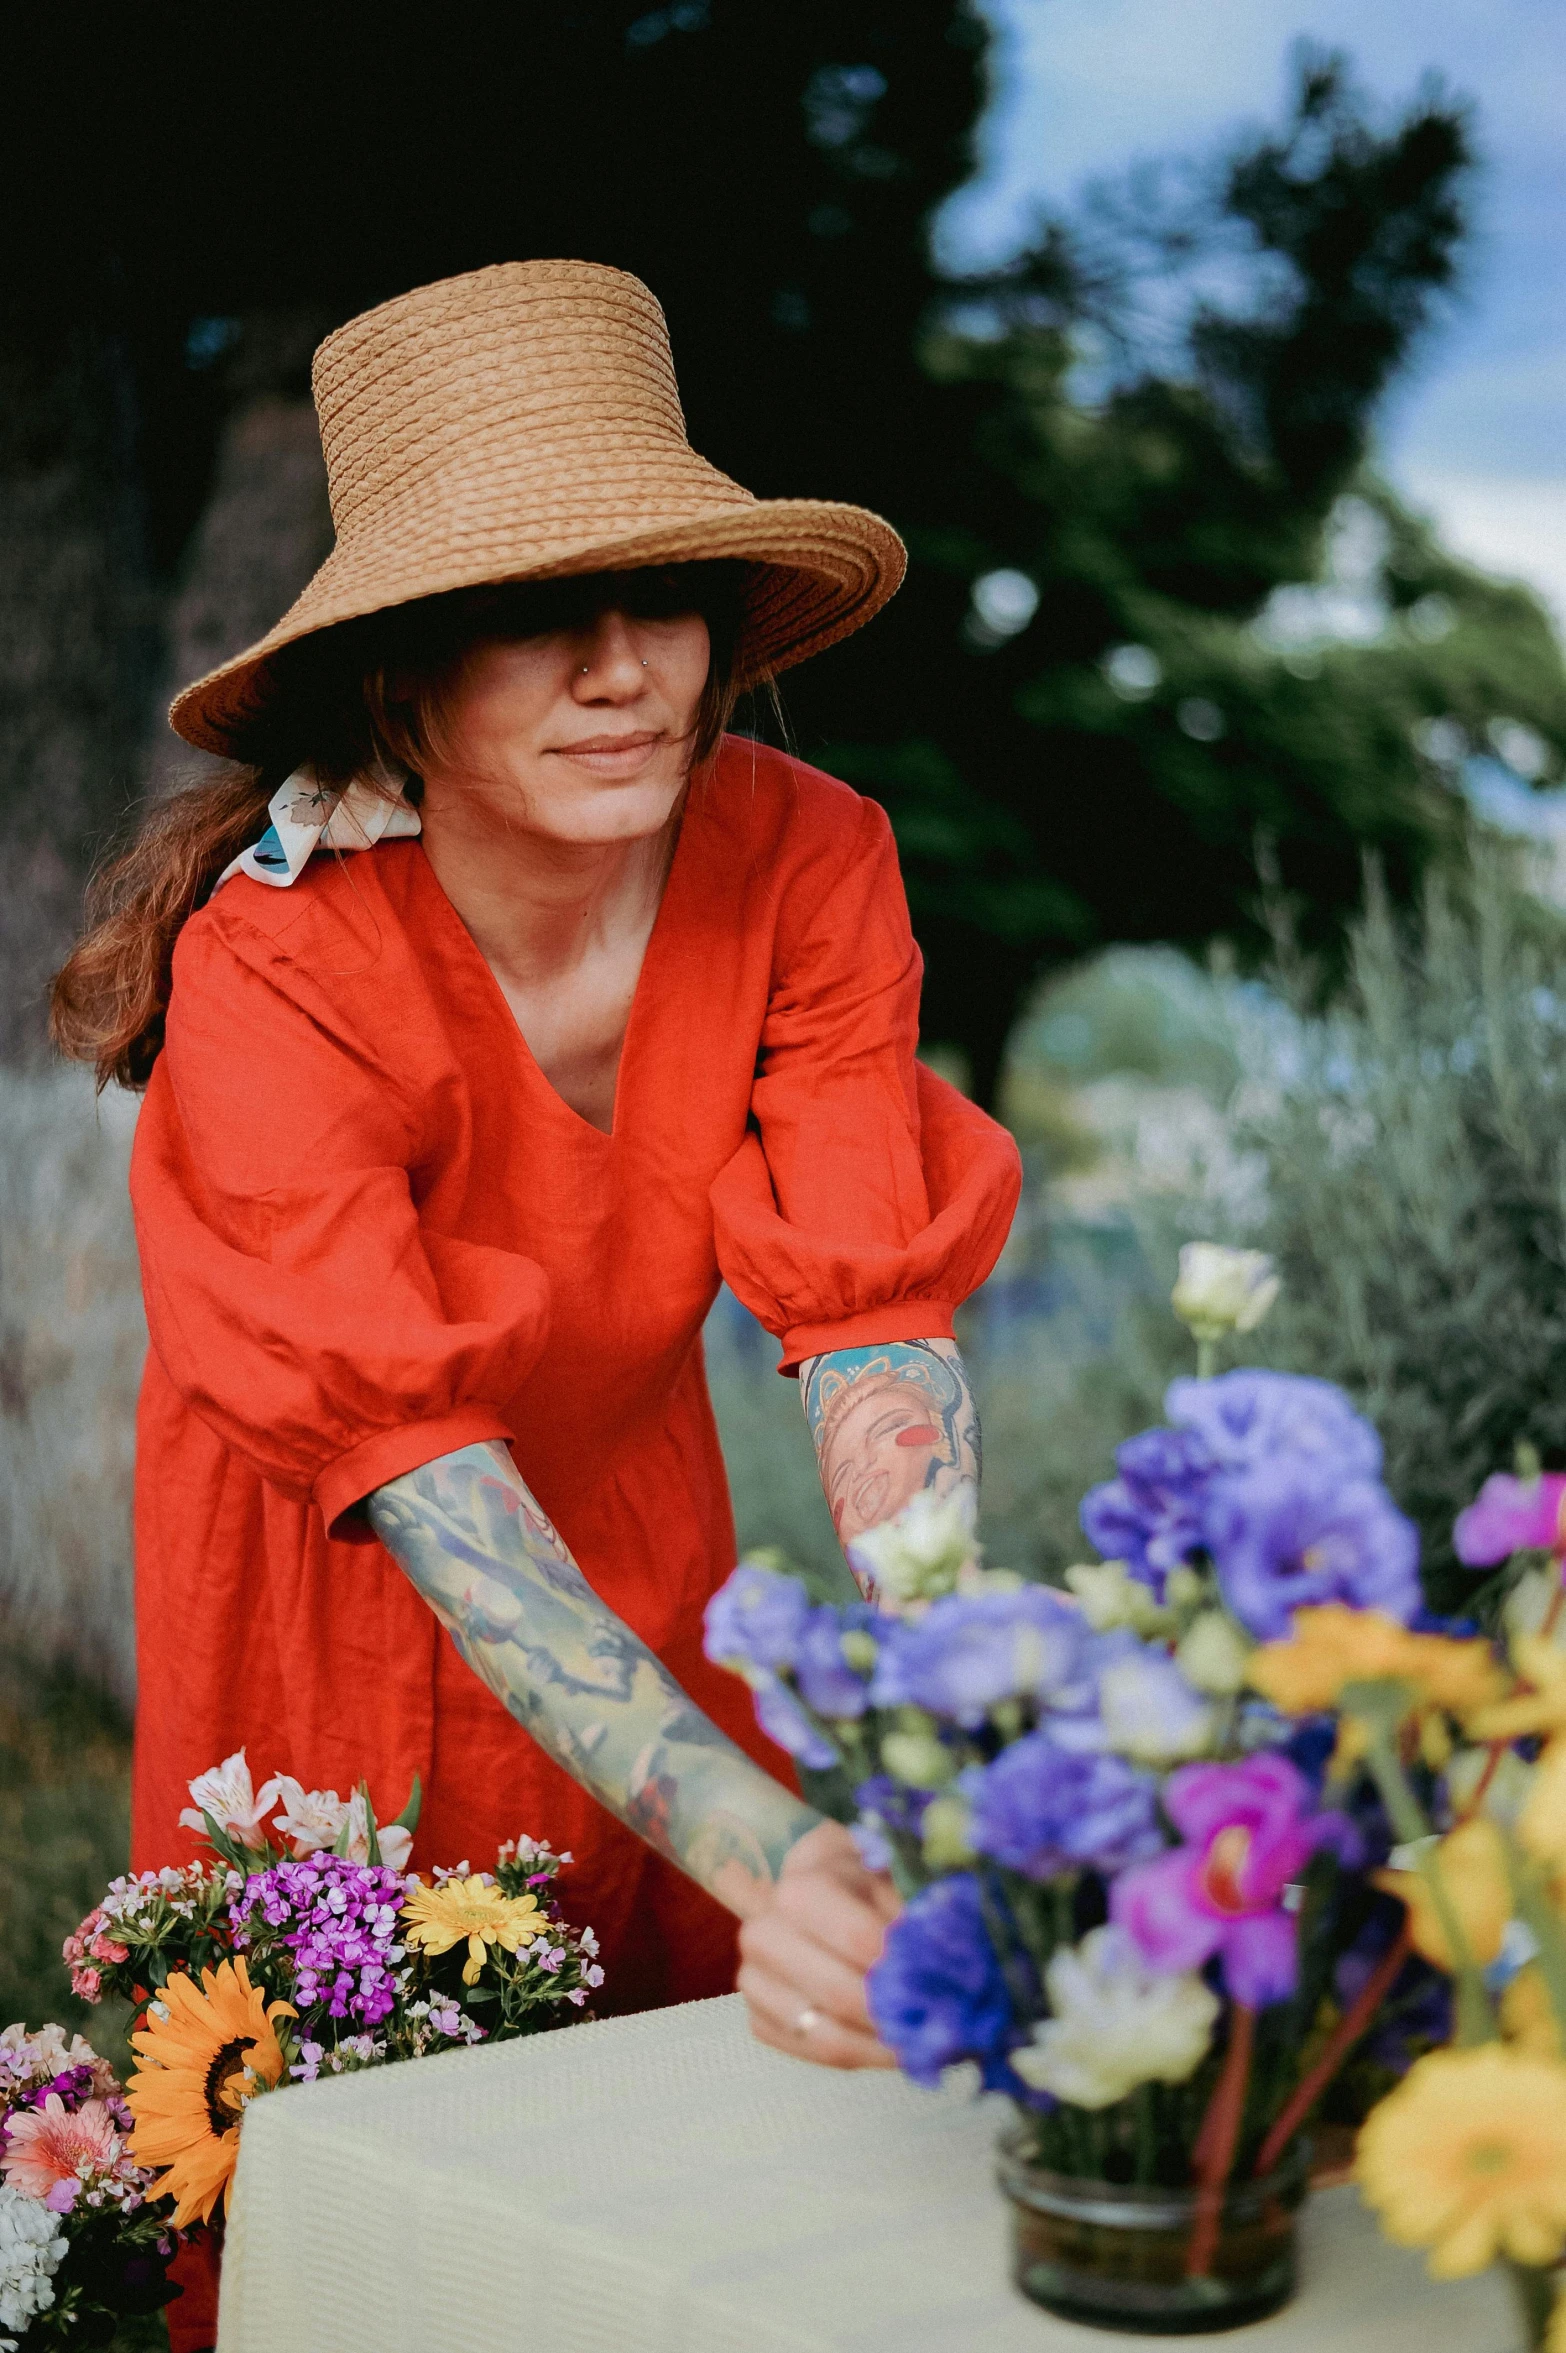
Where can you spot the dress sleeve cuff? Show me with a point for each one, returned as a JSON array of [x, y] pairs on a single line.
[[876, 1327], [344, 1484]]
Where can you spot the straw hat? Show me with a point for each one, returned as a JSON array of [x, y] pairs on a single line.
[[523, 423]]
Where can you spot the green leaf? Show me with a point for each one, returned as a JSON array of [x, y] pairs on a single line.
[[408, 1819], [232, 1853], [374, 1844]]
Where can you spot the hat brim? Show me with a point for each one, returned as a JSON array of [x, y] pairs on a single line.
[[820, 571]]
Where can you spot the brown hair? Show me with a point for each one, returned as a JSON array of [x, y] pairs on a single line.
[[362, 699]]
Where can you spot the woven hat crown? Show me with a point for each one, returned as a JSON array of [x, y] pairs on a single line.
[[531, 379], [523, 423]]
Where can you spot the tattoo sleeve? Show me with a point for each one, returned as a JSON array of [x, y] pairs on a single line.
[[471, 1538], [889, 1422]]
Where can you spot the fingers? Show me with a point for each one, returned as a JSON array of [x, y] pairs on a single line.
[[819, 1975], [802, 2029]]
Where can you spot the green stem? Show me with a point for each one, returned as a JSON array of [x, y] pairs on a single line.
[[1475, 2019], [1146, 2135], [1534, 2288], [1539, 1917], [1206, 1359]]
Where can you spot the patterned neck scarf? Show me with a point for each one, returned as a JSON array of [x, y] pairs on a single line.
[[307, 816]]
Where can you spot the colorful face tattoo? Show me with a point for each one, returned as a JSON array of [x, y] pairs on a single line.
[[307, 817]]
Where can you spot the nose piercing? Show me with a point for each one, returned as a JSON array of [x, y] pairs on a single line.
[[644, 665]]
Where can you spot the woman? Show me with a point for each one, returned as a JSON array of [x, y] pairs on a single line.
[[447, 1142]]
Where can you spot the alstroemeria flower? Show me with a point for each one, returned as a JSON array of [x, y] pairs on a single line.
[[1115, 2023], [1511, 1515], [1249, 1829], [224, 1791]]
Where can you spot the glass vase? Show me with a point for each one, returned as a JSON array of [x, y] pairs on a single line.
[[1117, 2256]]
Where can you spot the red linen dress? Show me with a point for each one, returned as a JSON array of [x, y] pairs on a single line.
[[371, 1232]]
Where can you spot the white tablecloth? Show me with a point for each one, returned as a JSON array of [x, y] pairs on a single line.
[[664, 2185]]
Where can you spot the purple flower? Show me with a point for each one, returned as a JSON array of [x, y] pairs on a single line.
[[1249, 1831], [1151, 1516], [937, 1994], [339, 1921], [1292, 1534], [1245, 1418], [826, 1681], [1511, 1515], [782, 1719], [970, 1650], [1040, 1808], [756, 1619]]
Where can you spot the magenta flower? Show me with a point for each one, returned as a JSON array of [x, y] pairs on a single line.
[[1249, 1831], [1511, 1515]]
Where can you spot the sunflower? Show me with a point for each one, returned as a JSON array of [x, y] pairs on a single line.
[[212, 2050], [1468, 2158], [440, 1917]]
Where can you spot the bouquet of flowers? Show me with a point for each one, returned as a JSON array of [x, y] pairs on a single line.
[[304, 1947], [80, 2245], [1146, 1851]]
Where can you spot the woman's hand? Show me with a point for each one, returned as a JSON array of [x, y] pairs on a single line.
[[805, 1948]]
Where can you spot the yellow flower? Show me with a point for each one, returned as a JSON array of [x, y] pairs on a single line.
[[1335, 1645], [1541, 1825], [1472, 1862], [1528, 2017], [197, 2068], [1543, 1709], [1468, 2158], [441, 1917]]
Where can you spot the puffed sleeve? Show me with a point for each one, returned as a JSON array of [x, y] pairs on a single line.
[[295, 1297], [869, 1198]]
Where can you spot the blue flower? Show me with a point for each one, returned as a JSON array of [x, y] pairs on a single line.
[[1243, 1419], [1151, 1516], [937, 1993], [1042, 1809], [971, 1650], [1293, 1533], [826, 1680], [756, 1619]]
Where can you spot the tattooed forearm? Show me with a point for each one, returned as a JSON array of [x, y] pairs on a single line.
[[888, 1422], [486, 1559]]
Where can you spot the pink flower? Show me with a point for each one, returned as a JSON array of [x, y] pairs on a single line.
[[48, 2146], [1511, 1515], [86, 1984], [1249, 1830]]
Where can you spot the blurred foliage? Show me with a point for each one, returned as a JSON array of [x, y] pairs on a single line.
[[64, 1834], [1148, 424]]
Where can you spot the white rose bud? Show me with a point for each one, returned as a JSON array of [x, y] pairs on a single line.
[[1110, 1596], [1221, 1290], [918, 1555]]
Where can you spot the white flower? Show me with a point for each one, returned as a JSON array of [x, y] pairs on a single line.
[[1149, 1712], [396, 1844], [311, 1818], [1110, 1596], [918, 1555], [1221, 1290], [225, 1793], [1116, 2024], [31, 2248], [1213, 1654]]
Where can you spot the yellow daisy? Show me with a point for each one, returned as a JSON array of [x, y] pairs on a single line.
[[1472, 1862], [1542, 1709], [441, 1917], [1334, 1645], [1468, 2158], [1541, 1826], [197, 2068], [1528, 2015]]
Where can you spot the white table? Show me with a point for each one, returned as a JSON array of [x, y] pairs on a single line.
[[664, 2185]]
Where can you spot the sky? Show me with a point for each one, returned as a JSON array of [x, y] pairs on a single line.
[[1474, 434]]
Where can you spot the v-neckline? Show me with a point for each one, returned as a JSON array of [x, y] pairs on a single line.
[[502, 1006]]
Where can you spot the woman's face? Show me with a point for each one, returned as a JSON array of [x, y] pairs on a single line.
[[580, 735]]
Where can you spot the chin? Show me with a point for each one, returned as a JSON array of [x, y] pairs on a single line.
[[610, 812]]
